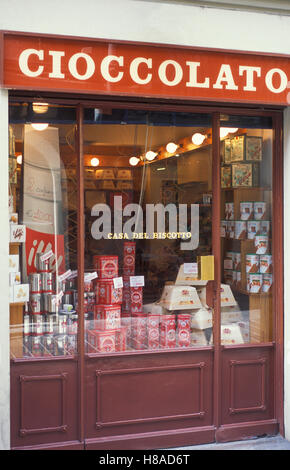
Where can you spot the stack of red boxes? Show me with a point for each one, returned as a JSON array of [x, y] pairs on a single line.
[[183, 330], [107, 335], [128, 270], [153, 321], [167, 331]]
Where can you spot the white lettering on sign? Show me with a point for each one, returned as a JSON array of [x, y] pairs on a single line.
[[283, 80], [225, 75], [250, 71], [193, 76], [90, 66], [105, 68], [162, 72], [56, 64], [82, 66], [134, 70], [23, 62]]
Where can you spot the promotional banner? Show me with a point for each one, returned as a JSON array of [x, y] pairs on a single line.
[[42, 198]]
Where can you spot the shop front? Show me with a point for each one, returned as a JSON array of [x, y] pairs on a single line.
[[146, 247]]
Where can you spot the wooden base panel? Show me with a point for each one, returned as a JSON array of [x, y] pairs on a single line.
[[242, 431], [146, 441], [70, 445]]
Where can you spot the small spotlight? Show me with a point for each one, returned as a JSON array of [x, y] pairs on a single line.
[[134, 161], [95, 161], [171, 147]]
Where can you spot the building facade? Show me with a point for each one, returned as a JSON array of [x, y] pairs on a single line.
[[85, 114]]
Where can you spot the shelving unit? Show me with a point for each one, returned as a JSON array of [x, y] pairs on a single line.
[[260, 304]]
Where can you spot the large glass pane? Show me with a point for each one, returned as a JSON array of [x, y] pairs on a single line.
[[148, 224], [246, 229], [43, 230]]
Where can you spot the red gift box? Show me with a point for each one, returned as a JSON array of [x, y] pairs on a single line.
[[121, 339], [106, 266], [129, 258], [107, 317], [139, 330], [153, 331], [167, 331], [106, 293], [101, 341], [126, 321], [126, 295], [136, 298], [183, 324]]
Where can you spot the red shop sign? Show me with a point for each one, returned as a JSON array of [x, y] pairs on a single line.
[[40, 62]]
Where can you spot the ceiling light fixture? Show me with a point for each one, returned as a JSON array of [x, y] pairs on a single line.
[[171, 147], [134, 161], [39, 126], [150, 155], [95, 161], [40, 108], [224, 131], [198, 138]]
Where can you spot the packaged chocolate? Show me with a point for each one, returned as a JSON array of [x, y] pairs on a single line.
[[254, 283], [229, 211], [260, 208], [252, 263], [261, 244], [266, 264], [106, 266], [267, 283], [106, 292], [240, 229], [246, 210], [253, 229]]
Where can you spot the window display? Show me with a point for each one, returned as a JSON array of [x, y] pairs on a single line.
[[148, 231], [43, 231], [246, 234], [145, 233]]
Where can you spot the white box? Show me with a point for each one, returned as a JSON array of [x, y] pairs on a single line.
[[201, 319], [21, 293], [180, 298], [231, 314], [17, 233], [13, 263], [245, 330], [227, 298], [186, 279], [14, 278], [198, 338], [153, 308], [231, 334]]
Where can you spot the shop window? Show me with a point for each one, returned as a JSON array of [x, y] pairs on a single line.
[[246, 230], [148, 221], [43, 230]]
